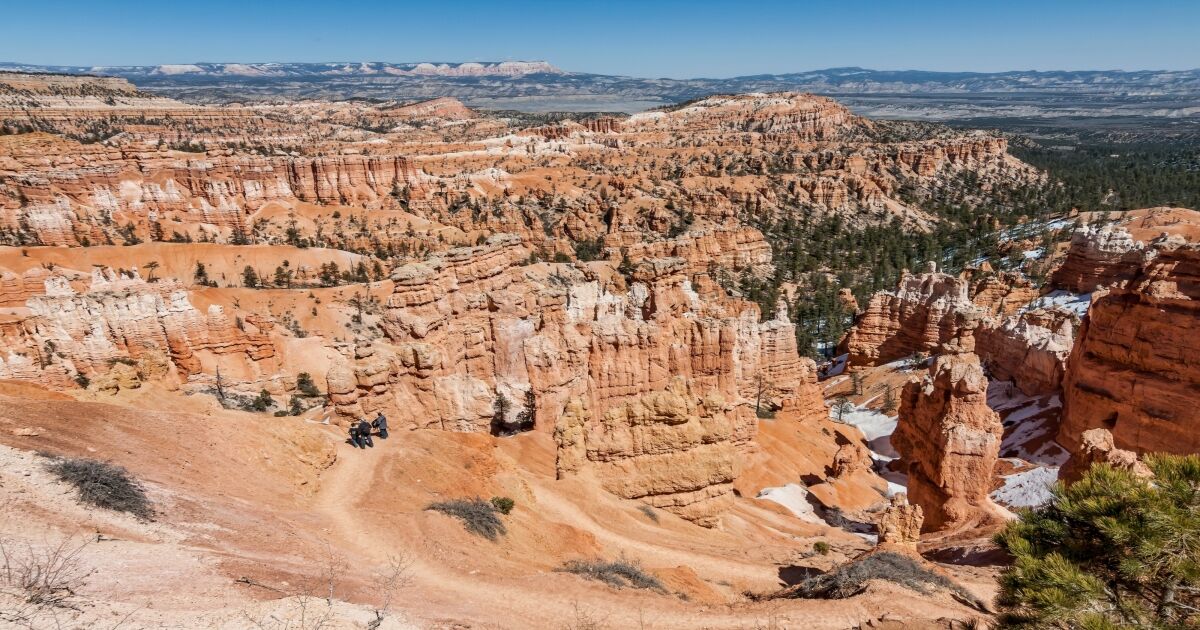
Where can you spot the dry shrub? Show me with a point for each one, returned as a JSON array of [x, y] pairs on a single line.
[[39, 579], [103, 485], [852, 578], [616, 573], [478, 516]]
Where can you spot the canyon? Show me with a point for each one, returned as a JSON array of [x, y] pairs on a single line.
[[562, 313]]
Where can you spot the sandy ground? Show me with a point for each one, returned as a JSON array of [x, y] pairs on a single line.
[[254, 510]]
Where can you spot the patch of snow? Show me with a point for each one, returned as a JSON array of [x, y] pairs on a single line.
[[1028, 488], [1028, 420], [876, 426], [794, 497], [1034, 254], [1077, 303], [873, 424]]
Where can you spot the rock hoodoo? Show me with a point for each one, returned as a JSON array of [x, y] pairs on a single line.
[[1098, 256], [900, 523], [925, 311], [949, 440]]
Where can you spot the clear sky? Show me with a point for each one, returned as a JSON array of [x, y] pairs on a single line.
[[701, 38]]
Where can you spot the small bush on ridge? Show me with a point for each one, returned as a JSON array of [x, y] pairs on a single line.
[[477, 515]]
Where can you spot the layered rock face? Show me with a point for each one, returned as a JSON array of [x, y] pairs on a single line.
[[669, 448], [900, 523], [736, 248], [1098, 256], [648, 385], [1003, 294], [66, 197], [123, 320], [949, 439], [925, 311], [1135, 369], [1029, 350]]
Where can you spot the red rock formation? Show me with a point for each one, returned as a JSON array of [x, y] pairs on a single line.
[[670, 448], [925, 311], [125, 319], [949, 440], [61, 198], [636, 381], [900, 523], [1098, 256], [16, 289], [733, 248], [928, 310], [1135, 369], [1096, 447], [1003, 294], [1029, 349]]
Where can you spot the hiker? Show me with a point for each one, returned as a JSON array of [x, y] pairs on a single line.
[[380, 423], [355, 440], [364, 433]]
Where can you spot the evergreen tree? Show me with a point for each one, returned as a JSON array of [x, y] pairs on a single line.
[[1110, 551], [249, 277], [201, 274]]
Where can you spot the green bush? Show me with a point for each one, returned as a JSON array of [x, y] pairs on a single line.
[[263, 402], [306, 386], [1110, 551], [504, 505], [821, 547]]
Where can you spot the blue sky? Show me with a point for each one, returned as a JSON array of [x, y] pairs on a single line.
[[701, 38]]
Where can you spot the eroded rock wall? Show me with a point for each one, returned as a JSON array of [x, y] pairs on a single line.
[[1098, 256], [64, 197], [1135, 369], [925, 311], [121, 319], [647, 384]]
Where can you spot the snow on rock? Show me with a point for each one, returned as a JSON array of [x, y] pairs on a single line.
[[1028, 488], [1077, 303], [794, 497], [876, 426]]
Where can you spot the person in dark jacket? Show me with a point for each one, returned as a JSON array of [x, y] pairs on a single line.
[[364, 432], [355, 440], [380, 423]]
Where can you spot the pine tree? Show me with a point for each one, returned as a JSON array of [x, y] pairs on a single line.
[[1112, 550], [249, 277], [201, 275]]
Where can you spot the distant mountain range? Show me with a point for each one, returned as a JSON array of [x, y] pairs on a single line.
[[210, 71], [540, 86]]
